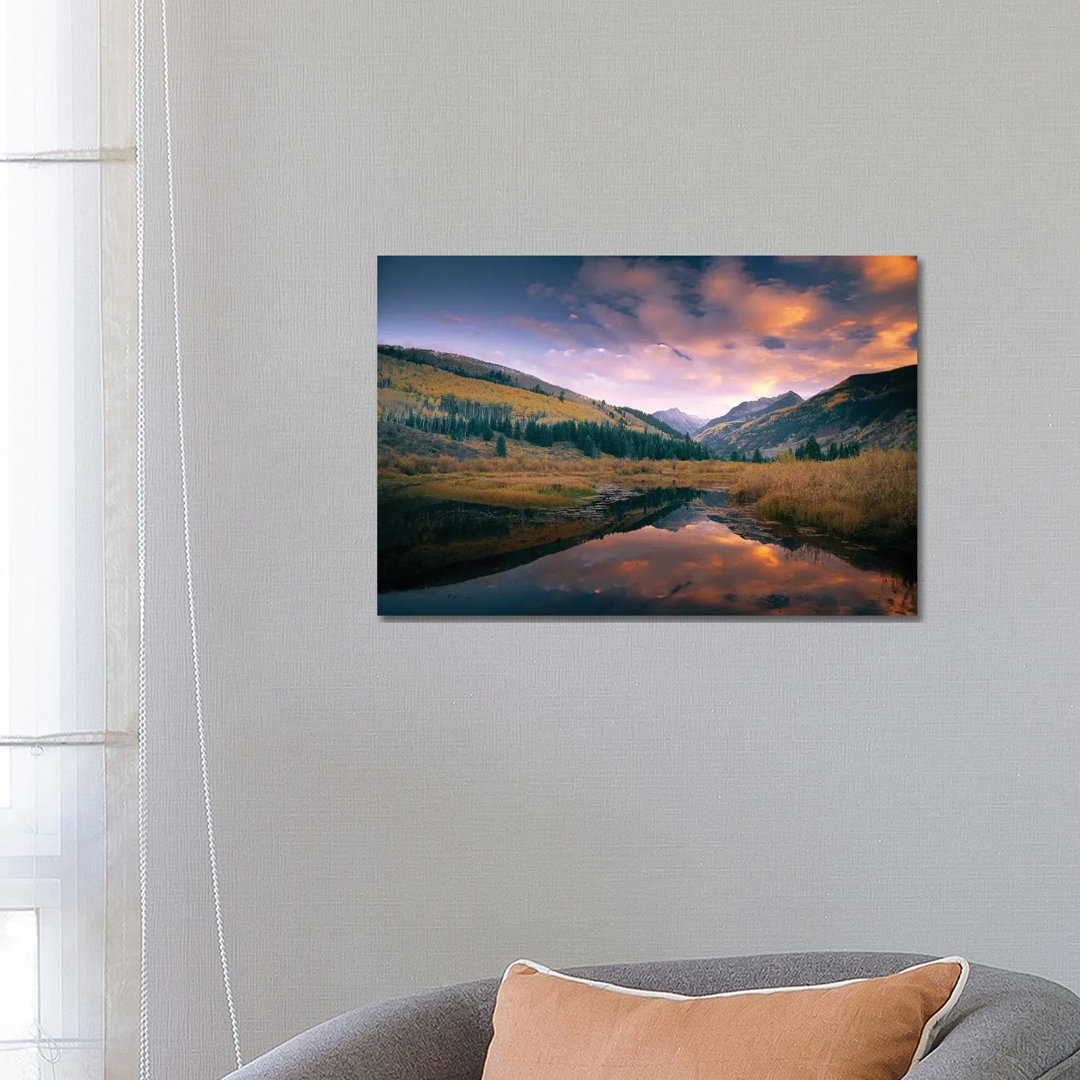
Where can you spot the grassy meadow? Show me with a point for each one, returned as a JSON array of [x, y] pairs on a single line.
[[528, 477], [872, 497]]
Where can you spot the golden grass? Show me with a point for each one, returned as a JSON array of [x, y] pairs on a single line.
[[873, 496], [533, 476], [518, 491], [702, 474]]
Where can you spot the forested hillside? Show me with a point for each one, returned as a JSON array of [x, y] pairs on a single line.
[[460, 398], [876, 409]]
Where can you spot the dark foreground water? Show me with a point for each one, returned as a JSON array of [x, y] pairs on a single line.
[[668, 552]]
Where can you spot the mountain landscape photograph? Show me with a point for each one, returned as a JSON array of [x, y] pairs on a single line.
[[647, 436]]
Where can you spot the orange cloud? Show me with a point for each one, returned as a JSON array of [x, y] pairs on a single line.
[[891, 345], [764, 308], [897, 335], [885, 272], [770, 311]]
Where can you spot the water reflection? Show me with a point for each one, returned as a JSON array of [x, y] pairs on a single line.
[[439, 542], [696, 559]]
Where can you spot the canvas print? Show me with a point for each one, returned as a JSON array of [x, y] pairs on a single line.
[[647, 436]]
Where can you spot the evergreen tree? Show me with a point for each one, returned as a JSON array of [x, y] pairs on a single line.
[[757, 459], [500, 446], [809, 451]]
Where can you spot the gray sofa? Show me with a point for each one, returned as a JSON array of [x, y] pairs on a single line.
[[1006, 1026]]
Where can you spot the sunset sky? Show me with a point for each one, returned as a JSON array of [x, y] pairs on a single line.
[[698, 333]]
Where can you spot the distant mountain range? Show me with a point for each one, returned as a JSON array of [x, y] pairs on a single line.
[[680, 421], [877, 408], [691, 425]]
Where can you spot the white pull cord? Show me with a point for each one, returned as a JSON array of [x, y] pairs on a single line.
[[197, 680], [140, 198], [140, 456]]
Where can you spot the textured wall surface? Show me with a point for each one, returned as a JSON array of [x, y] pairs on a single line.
[[406, 804]]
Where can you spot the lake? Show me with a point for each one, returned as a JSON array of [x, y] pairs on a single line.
[[670, 551]]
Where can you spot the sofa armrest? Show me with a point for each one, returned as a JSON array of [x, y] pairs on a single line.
[[1007, 1026], [441, 1034]]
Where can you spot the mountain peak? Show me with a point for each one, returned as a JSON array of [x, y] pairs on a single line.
[[680, 421], [759, 407]]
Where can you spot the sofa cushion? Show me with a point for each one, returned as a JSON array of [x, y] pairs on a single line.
[[551, 1026]]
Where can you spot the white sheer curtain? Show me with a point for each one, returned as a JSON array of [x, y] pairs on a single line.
[[52, 543]]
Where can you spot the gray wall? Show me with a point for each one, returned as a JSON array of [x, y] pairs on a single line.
[[406, 804]]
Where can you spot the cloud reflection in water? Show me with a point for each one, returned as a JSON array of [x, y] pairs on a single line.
[[683, 564]]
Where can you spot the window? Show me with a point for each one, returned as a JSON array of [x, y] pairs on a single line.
[[52, 853]]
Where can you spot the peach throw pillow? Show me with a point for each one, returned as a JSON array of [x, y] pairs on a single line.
[[550, 1026]]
